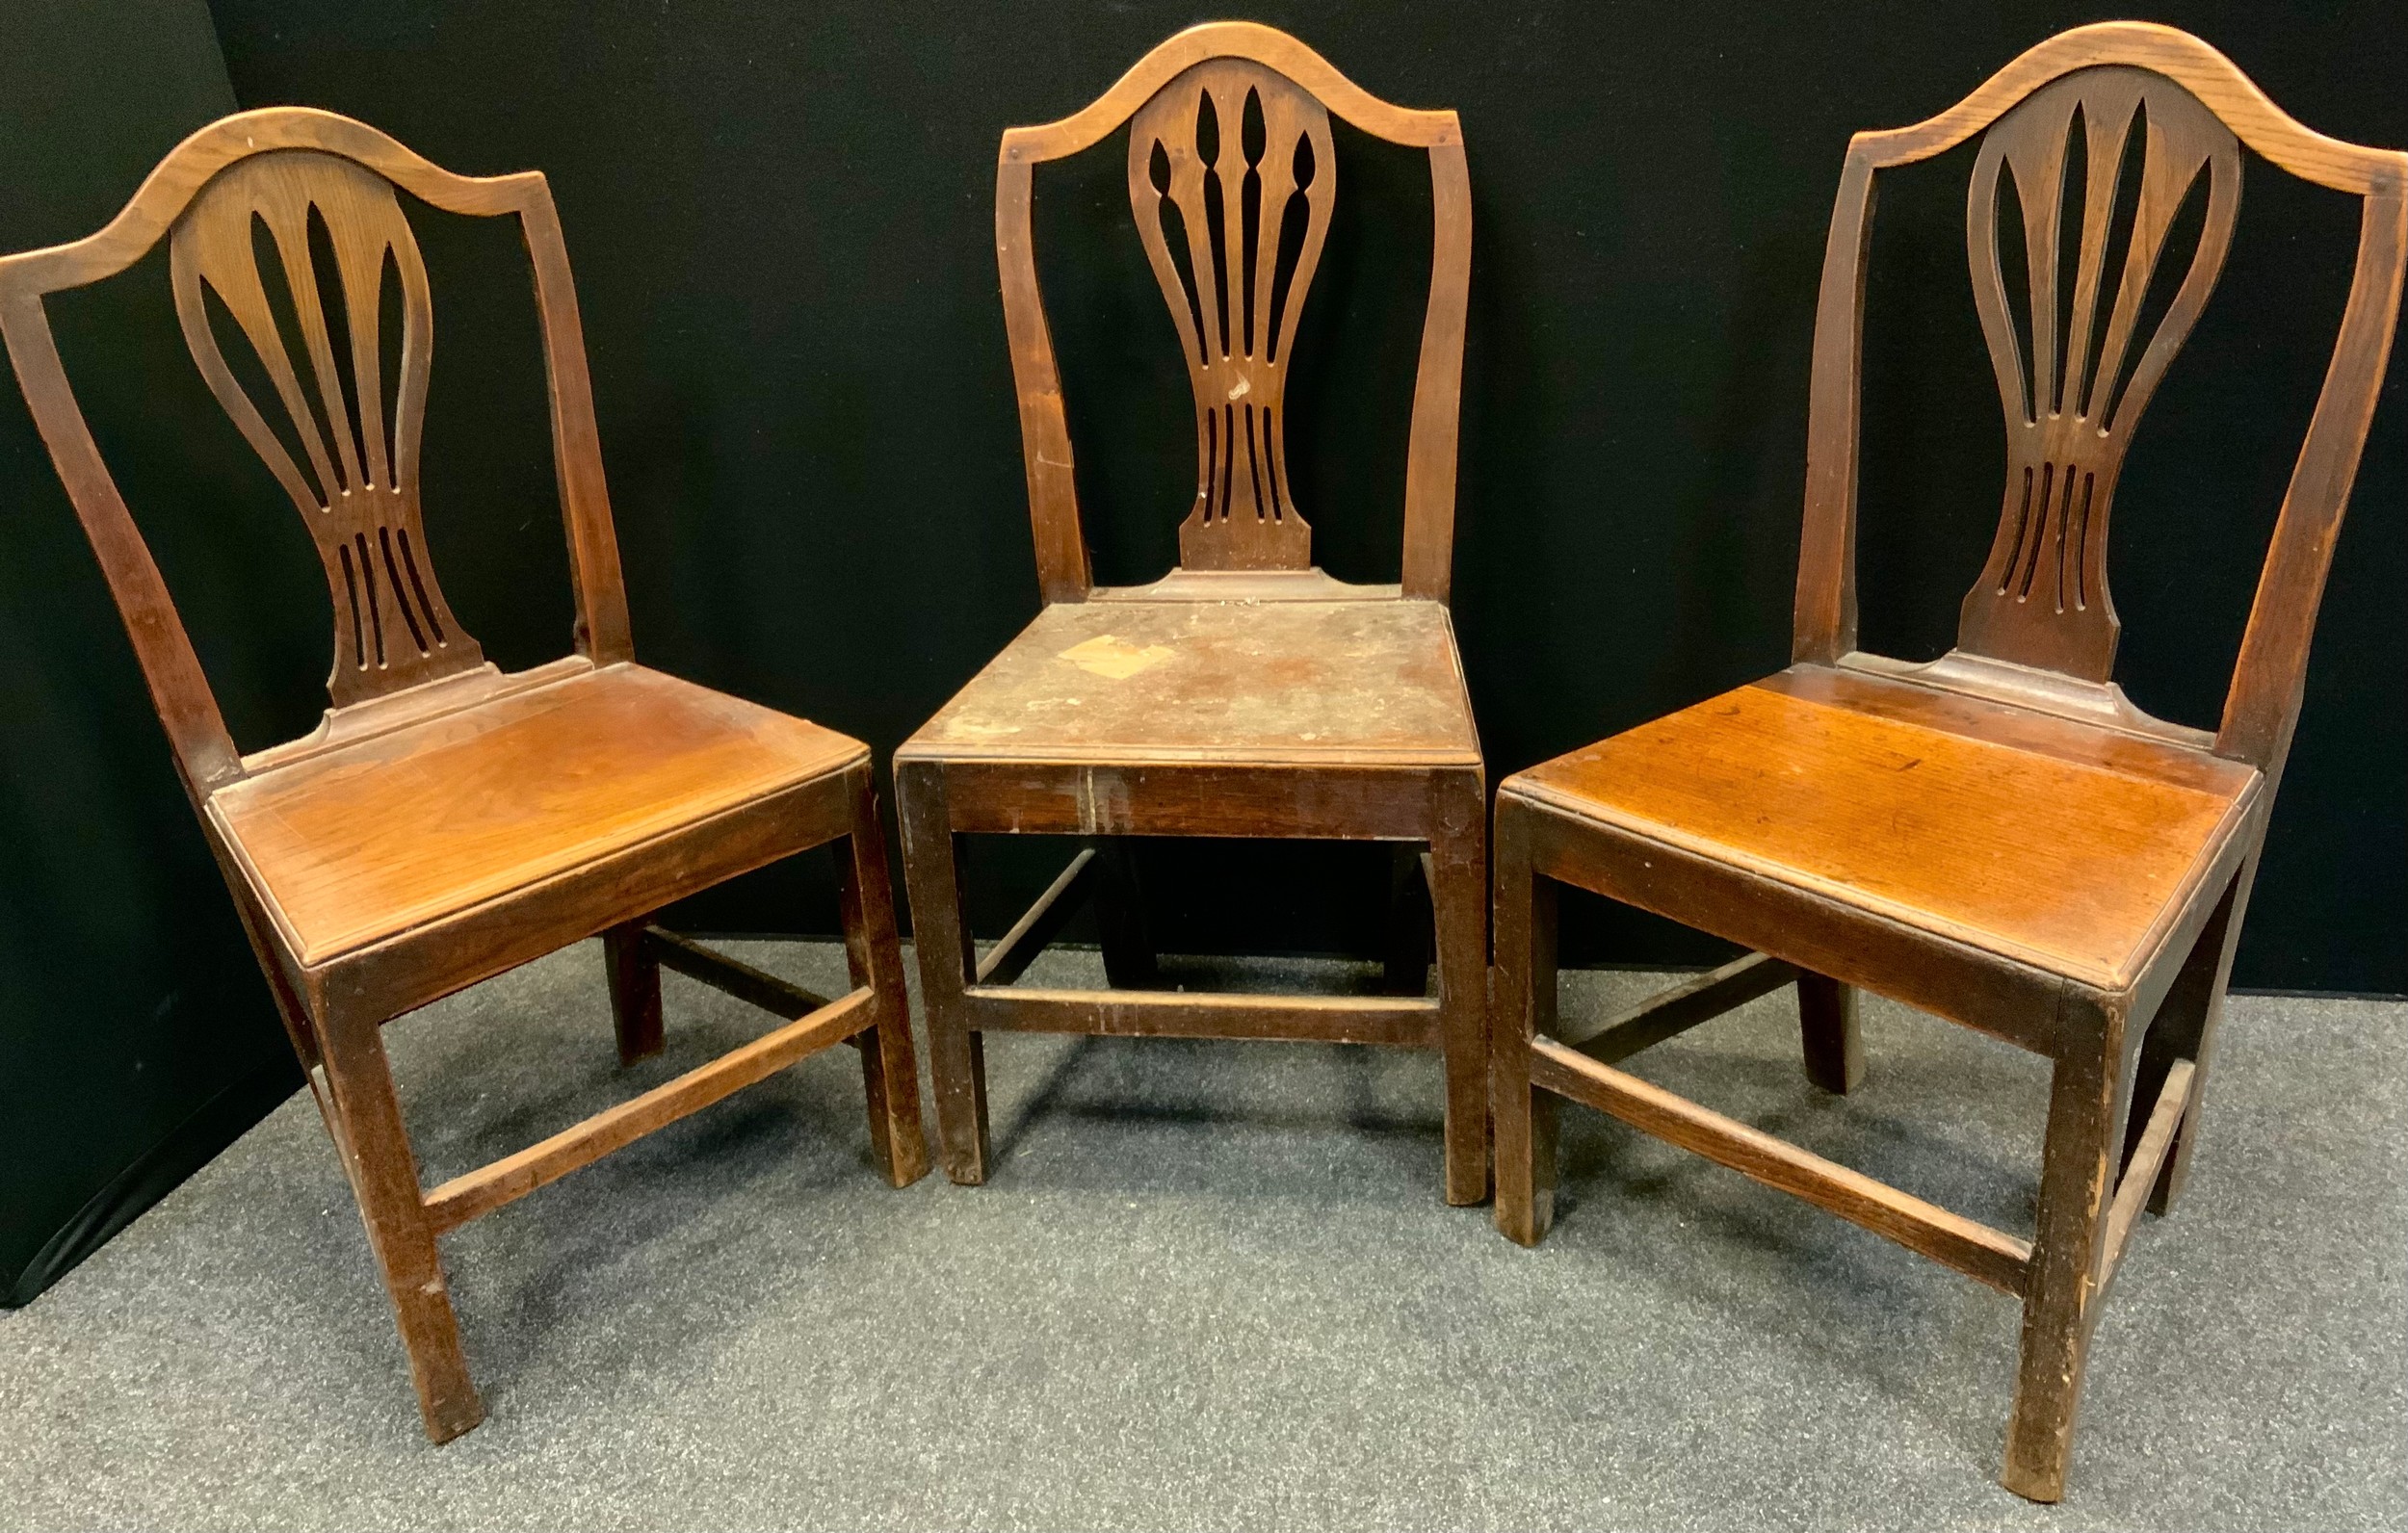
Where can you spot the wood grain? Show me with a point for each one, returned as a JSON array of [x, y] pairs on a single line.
[[2067, 866], [2042, 599], [1236, 301], [364, 841], [1297, 683], [301, 138]]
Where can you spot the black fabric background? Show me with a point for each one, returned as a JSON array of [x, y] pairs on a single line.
[[781, 223]]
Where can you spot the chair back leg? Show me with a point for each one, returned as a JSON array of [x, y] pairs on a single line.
[[1120, 926], [634, 991], [1826, 1016], [2185, 1029], [1412, 922]]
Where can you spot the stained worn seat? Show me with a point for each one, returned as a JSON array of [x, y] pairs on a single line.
[[362, 843], [1237, 679], [1246, 693]]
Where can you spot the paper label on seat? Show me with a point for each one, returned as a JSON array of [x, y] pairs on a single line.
[[1110, 655]]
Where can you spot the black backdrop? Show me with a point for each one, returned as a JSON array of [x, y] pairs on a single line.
[[781, 219]]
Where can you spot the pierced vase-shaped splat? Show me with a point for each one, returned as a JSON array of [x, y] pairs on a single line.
[[1232, 175], [2074, 380], [359, 490]]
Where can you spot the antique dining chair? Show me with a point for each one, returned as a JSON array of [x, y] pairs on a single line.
[[1998, 837], [1246, 693], [447, 821]]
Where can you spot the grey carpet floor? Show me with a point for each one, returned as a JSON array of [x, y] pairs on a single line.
[[1214, 1285]]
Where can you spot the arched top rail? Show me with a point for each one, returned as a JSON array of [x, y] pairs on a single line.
[[1265, 45], [2198, 68], [192, 165]]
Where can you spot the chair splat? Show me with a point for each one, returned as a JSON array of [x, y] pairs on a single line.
[[358, 493], [1232, 175], [2073, 389]]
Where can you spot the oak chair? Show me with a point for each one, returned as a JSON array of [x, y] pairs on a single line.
[[1246, 693], [447, 821], [1998, 837]]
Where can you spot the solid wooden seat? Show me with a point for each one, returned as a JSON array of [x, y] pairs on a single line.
[[1236, 680], [1904, 803], [1246, 693], [447, 821], [355, 845], [1998, 837]]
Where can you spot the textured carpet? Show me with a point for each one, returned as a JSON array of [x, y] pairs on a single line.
[[1214, 1285]]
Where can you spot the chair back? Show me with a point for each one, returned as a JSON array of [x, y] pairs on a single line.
[[2159, 111], [298, 205], [1232, 177]]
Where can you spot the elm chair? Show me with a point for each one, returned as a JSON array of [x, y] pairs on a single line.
[[1998, 837], [1246, 693], [447, 821]]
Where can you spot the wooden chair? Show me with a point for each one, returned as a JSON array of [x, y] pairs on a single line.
[[446, 821], [1246, 693], [1998, 837]]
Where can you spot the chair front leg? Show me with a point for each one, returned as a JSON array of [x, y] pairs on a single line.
[[941, 939], [890, 1073], [1524, 1006], [2086, 1094], [373, 1144], [634, 992], [1459, 893]]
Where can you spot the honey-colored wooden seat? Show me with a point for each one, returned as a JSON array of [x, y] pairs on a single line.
[[2063, 846], [468, 811], [1998, 837], [447, 821], [1246, 693]]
